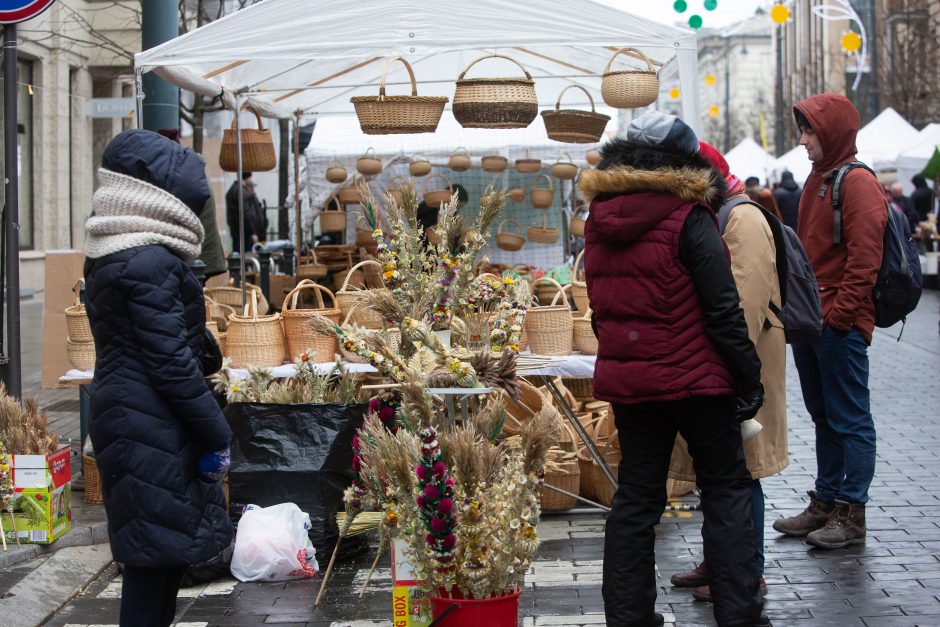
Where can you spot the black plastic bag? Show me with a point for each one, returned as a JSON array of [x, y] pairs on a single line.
[[213, 568], [296, 454]]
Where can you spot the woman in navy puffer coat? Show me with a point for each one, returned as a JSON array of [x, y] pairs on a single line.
[[160, 438]]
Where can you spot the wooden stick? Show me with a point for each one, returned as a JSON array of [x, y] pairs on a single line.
[[329, 568], [3, 535], [375, 562]]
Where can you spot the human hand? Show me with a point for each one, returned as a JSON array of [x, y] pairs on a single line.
[[254, 239], [746, 405], [214, 466]]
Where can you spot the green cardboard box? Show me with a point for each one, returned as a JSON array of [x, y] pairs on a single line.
[[42, 485]]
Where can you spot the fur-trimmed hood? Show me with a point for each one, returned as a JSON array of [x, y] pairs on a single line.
[[637, 185]]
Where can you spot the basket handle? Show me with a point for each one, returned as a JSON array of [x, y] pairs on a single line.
[[564, 154], [349, 313], [457, 150], [561, 290], [586, 93], [361, 264], [630, 52], [450, 185], [326, 206], [248, 107], [334, 163], [577, 262], [414, 83], [587, 314], [418, 154], [306, 284], [77, 290], [547, 178], [252, 306], [499, 229], [562, 294], [366, 154], [492, 56]]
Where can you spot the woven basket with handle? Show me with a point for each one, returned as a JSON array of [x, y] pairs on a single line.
[[388, 115], [494, 163], [564, 170], [506, 240], [459, 160], [349, 194], [550, 327], [574, 126], [93, 493], [300, 335], [528, 165], [434, 197], [419, 165], [335, 172], [257, 148], [584, 338], [566, 475], [254, 339], [80, 354], [76, 318], [578, 220], [232, 296], [628, 89], [542, 197], [333, 217], [495, 102], [310, 268], [579, 291], [347, 298], [368, 164], [543, 234], [609, 448]]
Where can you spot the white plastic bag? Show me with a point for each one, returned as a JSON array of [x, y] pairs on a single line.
[[272, 544]]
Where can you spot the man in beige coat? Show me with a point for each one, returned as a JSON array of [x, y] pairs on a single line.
[[753, 263]]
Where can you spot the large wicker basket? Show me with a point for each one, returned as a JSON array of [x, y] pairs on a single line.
[[495, 102], [567, 476], [506, 240], [579, 291], [542, 197], [333, 217], [584, 338], [388, 115], [628, 89], [607, 440], [76, 318], [573, 125], [347, 299], [434, 197], [543, 234], [550, 327], [257, 148], [254, 339], [300, 335], [80, 354], [93, 493]]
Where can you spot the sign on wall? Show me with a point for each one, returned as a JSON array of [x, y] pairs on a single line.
[[110, 107]]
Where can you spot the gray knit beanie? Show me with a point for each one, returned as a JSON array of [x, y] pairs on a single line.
[[655, 128]]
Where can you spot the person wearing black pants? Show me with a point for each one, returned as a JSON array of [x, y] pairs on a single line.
[[148, 595]]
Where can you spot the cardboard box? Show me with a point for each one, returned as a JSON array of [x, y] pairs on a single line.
[[63, 270], [42, 486], [411, 606]]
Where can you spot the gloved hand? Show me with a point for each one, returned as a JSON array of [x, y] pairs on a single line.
[[214, 466], [746, 405]]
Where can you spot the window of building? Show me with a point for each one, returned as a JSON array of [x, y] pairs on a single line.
[[24, 126]]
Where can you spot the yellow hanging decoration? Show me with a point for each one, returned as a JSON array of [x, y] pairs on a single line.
[[714, 111], [674, 93], [851, 42], [779, 14], [710, 80]]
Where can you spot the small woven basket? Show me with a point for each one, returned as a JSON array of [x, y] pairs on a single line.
[[333, 220], [574, 126], [80, 354], [310, 268], [76, 318], [584, 338], [218, 313], [335, 172], [528, 165], [628, 89], [434, 197], [608, 444], [459, 161], [349, 194], [550, 328], [257, 148], [579, 291], [506, 240], [567, 476], [256, 340], [543, 234], [419, 165], [495, 102], [564, 170], [578, 221], [494, 163], [299, 334], [347, 300], [368, 164], [542, 197], [389, 115], [93, 493]]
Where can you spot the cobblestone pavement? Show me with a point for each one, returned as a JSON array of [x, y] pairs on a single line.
[[893, 580]]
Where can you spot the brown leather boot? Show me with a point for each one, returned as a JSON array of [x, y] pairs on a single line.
[[694, 578], [845, 527], [810, 519]]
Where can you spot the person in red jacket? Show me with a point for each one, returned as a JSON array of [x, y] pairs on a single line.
[[834, 369], [673, 357]]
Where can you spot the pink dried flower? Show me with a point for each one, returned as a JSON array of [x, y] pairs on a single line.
[[450, 541], [356, 464], [445, 506], [373, 405], [386, 414], [437, 525], [421, 472], [438, 470], [449, 482], [431, 540], [420, 501], [431, 492]]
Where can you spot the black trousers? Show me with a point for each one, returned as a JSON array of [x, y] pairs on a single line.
[[148, 596], [647, 433]]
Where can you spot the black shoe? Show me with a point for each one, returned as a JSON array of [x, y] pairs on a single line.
[[658, 620]]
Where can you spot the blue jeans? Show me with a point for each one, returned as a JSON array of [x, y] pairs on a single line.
[[834, 378], [757, 502]]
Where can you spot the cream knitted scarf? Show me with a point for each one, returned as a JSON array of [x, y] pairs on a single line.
[[130, 212]]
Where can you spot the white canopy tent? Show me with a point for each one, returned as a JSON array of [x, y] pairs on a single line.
[[749, 159], [311, 56], [796, 162], [880, 141], [913, 159]]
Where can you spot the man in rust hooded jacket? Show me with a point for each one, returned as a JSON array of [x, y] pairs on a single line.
[[834, 369]]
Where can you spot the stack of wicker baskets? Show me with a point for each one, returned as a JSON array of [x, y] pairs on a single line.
[[299, 334], [79, 345]]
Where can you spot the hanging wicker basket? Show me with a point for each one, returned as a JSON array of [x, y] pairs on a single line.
[[76, 317], [349, 194], [419, 165], [80, 354], [542, 197], [495, 102], [584, 338], [335, 172], [390, 115], [628, 89], [348, 297], [254, 339], [257, 148], [543, 234], [593, 157], [368, 164], [434, 197], [333, 217], [517, 194], [578, 221], [574, 126], [506, 240], [528, 165], [300, 335], [494, 163], [550, 327], [459, 161], [564, 170], [579, 291]]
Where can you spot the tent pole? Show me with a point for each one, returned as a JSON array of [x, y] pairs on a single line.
[[241, 199], [297, 225]]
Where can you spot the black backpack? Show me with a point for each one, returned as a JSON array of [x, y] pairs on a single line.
[[800, 310], [899, 284]]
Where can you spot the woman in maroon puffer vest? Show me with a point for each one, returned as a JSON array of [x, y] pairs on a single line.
[[674, 356]]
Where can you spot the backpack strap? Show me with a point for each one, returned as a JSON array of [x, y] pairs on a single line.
[[724, 214], [838, 180]]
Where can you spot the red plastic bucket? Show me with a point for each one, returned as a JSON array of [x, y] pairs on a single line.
[[494, 612]]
